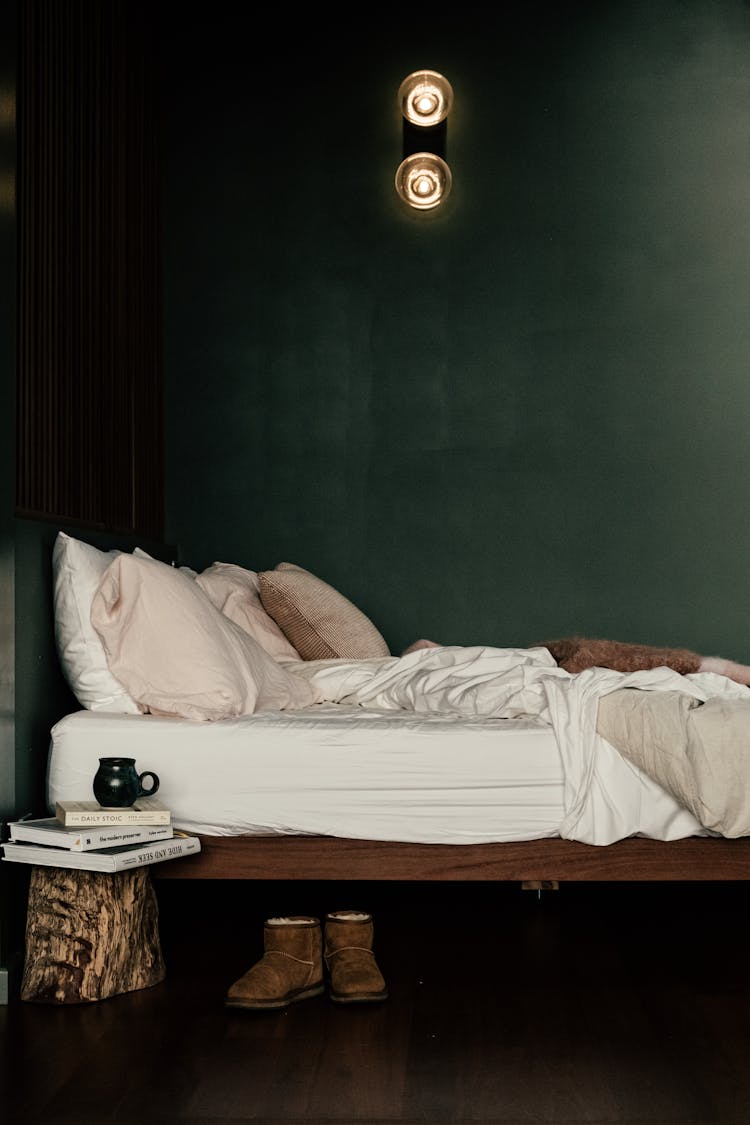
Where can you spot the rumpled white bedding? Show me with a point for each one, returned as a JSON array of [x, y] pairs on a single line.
[[512, 683]]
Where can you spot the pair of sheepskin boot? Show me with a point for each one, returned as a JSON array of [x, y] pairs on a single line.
[[295, 953]]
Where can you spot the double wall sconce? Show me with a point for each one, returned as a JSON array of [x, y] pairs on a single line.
[[423, 179]]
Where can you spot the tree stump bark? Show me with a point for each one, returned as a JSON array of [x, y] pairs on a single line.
[[90, 935]]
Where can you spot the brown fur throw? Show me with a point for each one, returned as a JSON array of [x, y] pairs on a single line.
[[575, 654]]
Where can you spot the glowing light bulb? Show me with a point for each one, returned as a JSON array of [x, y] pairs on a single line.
[[426, 104], [425, 97], [423, 180]]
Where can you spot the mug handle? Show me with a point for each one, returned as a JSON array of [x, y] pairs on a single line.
[[154, 787]]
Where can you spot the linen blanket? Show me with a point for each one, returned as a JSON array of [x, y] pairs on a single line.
[[687, 769], [697, 750]]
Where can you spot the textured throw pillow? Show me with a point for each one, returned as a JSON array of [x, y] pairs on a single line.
[[319, 621], [77, 569], [235, 592], [177, 654]]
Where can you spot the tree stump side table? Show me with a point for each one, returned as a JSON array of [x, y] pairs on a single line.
[[90, 935]]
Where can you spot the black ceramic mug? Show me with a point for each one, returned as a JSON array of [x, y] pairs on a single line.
[[117, 783]]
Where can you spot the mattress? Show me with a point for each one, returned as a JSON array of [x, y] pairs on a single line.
[[331, 770]]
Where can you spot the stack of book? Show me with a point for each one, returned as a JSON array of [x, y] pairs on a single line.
[[86, 836]]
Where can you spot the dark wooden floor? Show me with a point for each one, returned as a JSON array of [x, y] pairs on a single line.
[[626, 1004]]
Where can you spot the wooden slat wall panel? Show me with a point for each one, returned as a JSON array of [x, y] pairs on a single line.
[[90, 384]]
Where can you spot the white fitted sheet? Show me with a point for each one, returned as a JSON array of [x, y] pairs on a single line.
[[333, 770]]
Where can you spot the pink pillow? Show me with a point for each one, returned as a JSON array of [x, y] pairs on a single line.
[[177, 654], [235, 592]]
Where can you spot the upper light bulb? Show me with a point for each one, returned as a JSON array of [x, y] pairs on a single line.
[[425, 97]]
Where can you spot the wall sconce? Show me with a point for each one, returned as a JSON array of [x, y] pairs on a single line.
[[423, 179]]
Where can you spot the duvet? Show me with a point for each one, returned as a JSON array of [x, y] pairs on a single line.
[[687, 737]]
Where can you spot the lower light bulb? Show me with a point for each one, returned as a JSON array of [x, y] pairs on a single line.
[[423, 180]]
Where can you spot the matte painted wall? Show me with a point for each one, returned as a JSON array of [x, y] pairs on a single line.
[[523, 416]]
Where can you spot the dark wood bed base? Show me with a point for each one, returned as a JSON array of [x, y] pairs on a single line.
[[325, 857]]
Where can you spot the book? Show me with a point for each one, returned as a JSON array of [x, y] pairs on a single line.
[[50, 831], [121, 858], [80, 814]]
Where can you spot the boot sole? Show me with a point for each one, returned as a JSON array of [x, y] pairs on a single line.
[[281, 1002], [364, 998]]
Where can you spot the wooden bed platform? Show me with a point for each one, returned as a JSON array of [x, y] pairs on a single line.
[[325, 857], [128, 956]]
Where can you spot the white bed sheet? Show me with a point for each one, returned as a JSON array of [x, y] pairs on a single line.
[[331, 770]]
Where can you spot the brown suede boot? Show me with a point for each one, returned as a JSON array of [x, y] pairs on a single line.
[[290, 969], [352, 969]]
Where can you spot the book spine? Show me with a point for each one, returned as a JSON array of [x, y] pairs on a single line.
[[172, 849], [92, 839], [104, 818], [100, 861]]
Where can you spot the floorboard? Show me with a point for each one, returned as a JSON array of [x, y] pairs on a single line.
[[592, 1004]]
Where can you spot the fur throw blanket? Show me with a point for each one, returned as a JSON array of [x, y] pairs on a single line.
[[575, 654]]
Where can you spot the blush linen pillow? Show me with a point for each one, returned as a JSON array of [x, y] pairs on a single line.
[[141, 554], [177, 654], [235, 592], [77, 569], [319, 621]]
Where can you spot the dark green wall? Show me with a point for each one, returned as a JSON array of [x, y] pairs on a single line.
[[523, 416]]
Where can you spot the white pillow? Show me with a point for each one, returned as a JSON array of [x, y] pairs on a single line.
[[77, 569], [236, 593], [177, 654]]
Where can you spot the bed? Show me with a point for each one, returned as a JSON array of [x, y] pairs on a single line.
[[297, 746]]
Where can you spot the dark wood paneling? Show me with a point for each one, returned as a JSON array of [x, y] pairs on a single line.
[[89, 343], [10, 901]]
